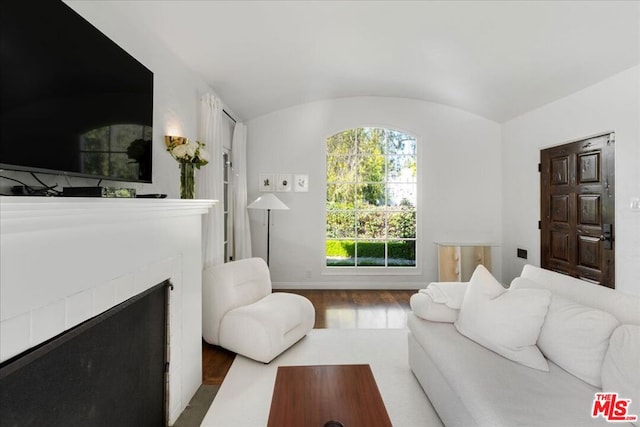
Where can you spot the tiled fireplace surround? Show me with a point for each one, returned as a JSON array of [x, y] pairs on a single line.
[[63, 261]]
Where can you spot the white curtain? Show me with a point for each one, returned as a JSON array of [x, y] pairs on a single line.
[[241, 231], [209, 184]]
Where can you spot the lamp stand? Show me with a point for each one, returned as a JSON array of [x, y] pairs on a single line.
[[268, 234], [268, 202]]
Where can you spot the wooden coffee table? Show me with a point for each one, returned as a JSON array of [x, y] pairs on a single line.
[[315, 395]]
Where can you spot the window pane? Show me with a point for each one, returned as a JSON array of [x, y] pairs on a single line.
[[370, 253], [371, 141], [402, 224], [399, 143], [341, 224], [225, 167], [402, 253], [371, 224], [123, 135], [402, 195], [341, 168], [342, 143], [95, 139], [371, 168], [95, 163], [340, 196], [401, 169], [340, 253], [370, 195], [226, 221], [122, 166]]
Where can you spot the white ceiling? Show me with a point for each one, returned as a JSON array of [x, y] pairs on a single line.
[[497, 59]]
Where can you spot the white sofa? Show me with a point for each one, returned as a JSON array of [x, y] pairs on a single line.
[[470, 385]]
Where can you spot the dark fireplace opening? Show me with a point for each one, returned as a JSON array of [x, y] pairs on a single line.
[[108, 371]]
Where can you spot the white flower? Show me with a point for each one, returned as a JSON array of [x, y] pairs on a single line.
[[180, 151], [190, 152], [191, 149], [203, 155]]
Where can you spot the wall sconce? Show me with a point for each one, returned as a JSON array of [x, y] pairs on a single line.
[[172, 141]]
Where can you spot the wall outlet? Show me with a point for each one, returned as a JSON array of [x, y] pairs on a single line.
[[635, 204], [308, 274], [522, 253]]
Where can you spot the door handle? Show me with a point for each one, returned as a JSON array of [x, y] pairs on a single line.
[[607, 236]]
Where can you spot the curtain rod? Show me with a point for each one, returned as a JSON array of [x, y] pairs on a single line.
[[229, 115]]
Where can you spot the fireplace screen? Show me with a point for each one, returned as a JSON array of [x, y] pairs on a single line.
[[108, 371]]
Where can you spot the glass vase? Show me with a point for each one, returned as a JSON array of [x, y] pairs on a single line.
[[187, 181]]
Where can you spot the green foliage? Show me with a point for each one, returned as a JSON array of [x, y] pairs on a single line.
[[356, 155], [370, 224], [404, 249], [341, 248], [402, 224]]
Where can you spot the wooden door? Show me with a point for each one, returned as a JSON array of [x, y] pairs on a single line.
[[577, 209]]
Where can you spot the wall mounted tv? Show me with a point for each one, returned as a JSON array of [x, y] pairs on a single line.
[[72, 101]]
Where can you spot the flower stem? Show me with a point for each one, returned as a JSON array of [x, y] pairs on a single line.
[[187, 182]]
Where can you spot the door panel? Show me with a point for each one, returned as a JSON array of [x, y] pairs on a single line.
[[577, 209]]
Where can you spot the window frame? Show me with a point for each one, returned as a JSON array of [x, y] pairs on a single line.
[[368, 270]]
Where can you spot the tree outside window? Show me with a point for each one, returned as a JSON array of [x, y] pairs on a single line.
[[371, 199]]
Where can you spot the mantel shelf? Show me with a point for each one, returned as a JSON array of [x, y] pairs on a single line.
[[23, 214]]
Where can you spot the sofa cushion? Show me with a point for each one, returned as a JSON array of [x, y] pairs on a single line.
[[576, 338], [439, 302], [499, 392], [507, 322], [625, 307], [621, 366]]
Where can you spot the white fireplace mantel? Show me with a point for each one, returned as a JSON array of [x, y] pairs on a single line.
[[27, 214], [65, 260]]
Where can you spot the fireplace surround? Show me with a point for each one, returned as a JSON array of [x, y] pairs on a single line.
[[64, 261], [107, 371]]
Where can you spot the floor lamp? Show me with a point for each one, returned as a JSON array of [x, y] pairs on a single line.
[[268, 202]]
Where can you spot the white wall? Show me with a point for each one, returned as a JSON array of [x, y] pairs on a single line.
[[611, 105], [458, 172], [177, 93]]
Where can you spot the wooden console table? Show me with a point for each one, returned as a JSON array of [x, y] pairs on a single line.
[[458, 260]]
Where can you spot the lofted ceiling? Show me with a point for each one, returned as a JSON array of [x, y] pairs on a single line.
[[497, 59]]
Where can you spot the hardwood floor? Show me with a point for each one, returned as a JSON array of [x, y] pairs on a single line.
[[340, 309]]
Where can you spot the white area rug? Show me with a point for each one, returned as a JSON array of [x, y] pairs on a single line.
[[244, 399]]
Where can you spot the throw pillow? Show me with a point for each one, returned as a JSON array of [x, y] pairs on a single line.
[[575, 337], [621, 366], [507, 322]]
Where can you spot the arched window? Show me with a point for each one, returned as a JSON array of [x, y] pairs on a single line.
[[371, 198]]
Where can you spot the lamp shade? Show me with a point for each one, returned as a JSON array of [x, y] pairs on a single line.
[[268, 201]]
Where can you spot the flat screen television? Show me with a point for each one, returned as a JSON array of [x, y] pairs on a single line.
[[72, 102]]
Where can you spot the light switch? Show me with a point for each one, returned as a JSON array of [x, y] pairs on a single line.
[[635, 204]]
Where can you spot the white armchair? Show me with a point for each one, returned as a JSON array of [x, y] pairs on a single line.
[[241, 314]]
